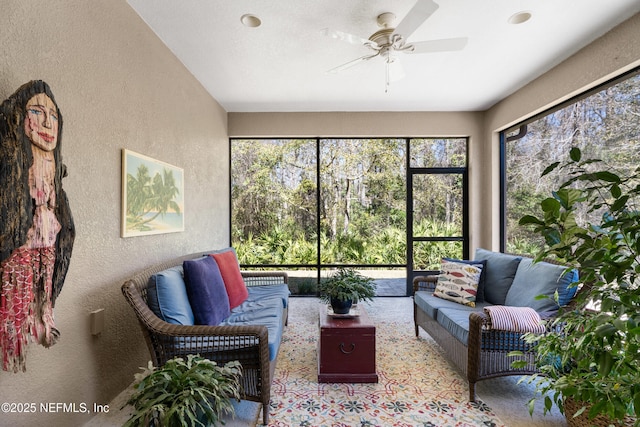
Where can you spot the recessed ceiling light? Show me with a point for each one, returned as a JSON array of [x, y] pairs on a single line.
[[519, 18], [249, 20]]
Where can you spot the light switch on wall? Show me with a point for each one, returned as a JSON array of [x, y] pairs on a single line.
[[96, 319]]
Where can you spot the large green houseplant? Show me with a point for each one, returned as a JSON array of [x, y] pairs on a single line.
[[191, 392], [592, 355], [344, 287]]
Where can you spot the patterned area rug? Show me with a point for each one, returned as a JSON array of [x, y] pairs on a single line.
[[417, 386]]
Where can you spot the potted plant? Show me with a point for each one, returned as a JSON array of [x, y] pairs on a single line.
[[345, 287], [191, 392], [590, 357]]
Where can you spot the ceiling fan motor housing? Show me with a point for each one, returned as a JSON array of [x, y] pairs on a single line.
[[382, 37], [385, 20]]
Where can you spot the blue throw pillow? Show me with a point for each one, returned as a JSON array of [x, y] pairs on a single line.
[[541, 278], [482, 264], [499, 273], [167, 297], [206, 291]]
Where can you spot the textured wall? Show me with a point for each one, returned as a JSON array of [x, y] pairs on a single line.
[[118, 87]]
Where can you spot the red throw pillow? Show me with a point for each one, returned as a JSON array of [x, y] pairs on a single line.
[[233, 282]]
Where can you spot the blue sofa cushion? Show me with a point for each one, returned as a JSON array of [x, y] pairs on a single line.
[[499, 273], [281, 291], [267, 311], [455, 321], [167, 297], [430, 304], [207, 293], [541, 278]]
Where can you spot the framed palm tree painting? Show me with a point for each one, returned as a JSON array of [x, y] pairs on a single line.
[[152, 196]]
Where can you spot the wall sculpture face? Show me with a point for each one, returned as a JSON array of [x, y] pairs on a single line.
[[36, 226]]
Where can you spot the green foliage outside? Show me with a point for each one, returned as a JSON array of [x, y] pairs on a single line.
[[279, 246], [359, 202], [603, 125]]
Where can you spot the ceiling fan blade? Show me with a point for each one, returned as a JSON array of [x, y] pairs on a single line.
[[442, 45], [419, 13], [349, 38], [352, 63]]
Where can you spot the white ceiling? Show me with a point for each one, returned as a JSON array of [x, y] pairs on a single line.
[[282, 65]]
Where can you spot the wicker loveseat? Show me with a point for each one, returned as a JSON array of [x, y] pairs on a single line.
[[247, 335], [471, 342]]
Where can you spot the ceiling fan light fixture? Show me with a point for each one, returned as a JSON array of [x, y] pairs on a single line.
[[251, 21], [519, 17]]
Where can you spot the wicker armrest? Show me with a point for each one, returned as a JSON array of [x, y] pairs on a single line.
[[479, 320], [425, 283], [482, 334], [265, 278]]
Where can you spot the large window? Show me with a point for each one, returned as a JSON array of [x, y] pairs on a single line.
[[604, 123], [311, 205]]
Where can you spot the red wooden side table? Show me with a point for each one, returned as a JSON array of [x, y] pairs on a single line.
[[346, 348]]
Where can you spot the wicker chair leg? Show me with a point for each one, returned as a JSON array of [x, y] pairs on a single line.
[[472, 391], [265, 414]]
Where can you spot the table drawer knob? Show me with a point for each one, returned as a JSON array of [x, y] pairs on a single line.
[[353, 347]]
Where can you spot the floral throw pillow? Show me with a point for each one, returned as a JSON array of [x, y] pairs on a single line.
[[458, 282]]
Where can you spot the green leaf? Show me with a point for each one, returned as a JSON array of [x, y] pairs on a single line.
[[532, 405], [530, 219], [550, 205], [607, 176], [620, 203], [550, 168], [597, 408], [579, 412], [616, 191], [575, 154], [605, 330], [605, 364], [568, 196]]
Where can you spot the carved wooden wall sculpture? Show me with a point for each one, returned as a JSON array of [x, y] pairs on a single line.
[[36, 226]]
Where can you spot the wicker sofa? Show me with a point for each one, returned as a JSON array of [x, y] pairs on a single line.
[[479, 350], [251, 333]]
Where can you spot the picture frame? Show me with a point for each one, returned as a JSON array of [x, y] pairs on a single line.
[[152, 196]]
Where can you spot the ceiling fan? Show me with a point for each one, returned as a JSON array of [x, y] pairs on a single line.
[[389, 41]]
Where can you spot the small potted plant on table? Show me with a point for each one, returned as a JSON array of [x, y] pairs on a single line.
[[191, 392], [590, 361], [345, 287]]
